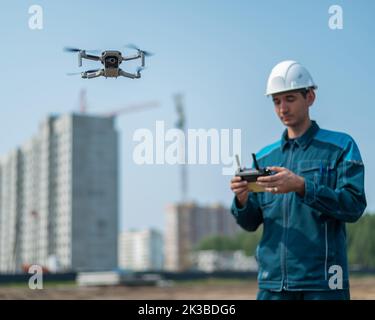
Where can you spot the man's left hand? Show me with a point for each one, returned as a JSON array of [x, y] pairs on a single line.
[[283, 181]]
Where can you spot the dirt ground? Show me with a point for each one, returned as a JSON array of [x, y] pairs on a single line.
[[361, 288]]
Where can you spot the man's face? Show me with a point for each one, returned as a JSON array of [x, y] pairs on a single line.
[[292, 108]]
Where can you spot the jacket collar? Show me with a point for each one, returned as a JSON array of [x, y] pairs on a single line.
[[302, 141]]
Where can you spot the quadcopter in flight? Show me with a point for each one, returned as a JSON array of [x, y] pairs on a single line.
[[111, 61]]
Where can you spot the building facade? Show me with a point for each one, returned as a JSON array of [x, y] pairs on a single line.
[[186, 225], [59, 197], [212, 260], [141, 250]]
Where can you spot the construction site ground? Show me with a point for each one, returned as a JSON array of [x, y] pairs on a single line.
[[362, 287]]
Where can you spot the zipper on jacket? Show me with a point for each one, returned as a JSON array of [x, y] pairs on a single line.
[[326, 250], [285, 225]]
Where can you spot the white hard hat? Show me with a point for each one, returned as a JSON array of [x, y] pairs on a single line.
[[289, 75]]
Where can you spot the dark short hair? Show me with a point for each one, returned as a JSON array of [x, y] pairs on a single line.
[[304, 92]]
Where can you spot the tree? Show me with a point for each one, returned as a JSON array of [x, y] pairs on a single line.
[[361, 242], [246, 241]]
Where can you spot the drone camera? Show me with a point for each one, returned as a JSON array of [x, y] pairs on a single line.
[[111, 62]]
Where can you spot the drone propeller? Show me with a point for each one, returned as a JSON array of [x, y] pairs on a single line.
[[73, 73], [71, 49], [133, 46]]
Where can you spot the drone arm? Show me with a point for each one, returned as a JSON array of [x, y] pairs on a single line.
[[129, 75], [133, 57], [89, 56]]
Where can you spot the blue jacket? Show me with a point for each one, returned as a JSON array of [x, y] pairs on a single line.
[[303, 237]]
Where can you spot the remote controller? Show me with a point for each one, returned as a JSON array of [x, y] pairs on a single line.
[[251, 175]]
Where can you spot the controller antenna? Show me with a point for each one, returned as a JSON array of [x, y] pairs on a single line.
[[255, 161]]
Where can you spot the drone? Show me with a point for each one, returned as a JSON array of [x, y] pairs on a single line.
[[111, 59]]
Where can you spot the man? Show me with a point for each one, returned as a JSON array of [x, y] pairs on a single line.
[[317, 187]]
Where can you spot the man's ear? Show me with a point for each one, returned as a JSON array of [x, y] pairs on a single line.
[[310, 97]]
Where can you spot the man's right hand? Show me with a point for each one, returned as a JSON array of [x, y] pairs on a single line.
[[240, 189]]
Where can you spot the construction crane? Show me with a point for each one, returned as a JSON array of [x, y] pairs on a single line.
[[181, 124], [135, 107], [132, 108], [82, 101]]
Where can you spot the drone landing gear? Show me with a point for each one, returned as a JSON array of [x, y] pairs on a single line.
[[89, 75], [129, 75]]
